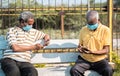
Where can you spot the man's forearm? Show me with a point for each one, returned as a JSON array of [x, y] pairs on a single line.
[[100, 52], [21, 48], [105, 50]]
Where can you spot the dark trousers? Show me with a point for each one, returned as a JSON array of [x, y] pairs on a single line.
[[15, 68], [81, 65]]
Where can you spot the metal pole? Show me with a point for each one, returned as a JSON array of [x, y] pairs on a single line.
[[88, 5], [62, 20], [62, 23], [110, 23]]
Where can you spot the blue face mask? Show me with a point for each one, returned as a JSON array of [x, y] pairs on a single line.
[[27, 27], [92, 27]]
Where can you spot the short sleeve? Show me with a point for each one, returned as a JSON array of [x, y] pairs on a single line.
[[80, 38], [39, 35], [107, 37], [11, 38]]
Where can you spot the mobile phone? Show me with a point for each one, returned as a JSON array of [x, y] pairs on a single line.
[[85, 49]]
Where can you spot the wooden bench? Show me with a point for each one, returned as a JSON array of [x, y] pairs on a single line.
[[56, 63]]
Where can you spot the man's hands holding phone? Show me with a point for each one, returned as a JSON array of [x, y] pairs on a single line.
[[83, 49], [38, 46], [46, 42]]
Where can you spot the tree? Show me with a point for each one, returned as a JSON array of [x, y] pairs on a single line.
[[116, 3]]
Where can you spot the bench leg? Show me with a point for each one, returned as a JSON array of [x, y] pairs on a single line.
[[1, 72]]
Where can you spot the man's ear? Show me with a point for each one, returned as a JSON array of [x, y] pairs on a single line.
[[98, 19], [21, 21]]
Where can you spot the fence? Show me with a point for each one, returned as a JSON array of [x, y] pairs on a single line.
[[63, 18]]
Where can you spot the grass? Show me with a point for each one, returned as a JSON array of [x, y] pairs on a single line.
[[117, 73]]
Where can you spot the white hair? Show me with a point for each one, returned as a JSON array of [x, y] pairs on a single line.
[[91, 15], [26, 15]]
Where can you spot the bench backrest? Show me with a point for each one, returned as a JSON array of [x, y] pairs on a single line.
[[51, 57], [3, 43], [65, 57], [61, 43]]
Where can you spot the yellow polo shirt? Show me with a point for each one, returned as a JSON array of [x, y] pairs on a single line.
[[95, 40]]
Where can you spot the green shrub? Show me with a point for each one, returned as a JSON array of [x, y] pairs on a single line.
[[116, 60]]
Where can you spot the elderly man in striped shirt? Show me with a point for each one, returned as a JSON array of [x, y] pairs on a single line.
[[21, 39]]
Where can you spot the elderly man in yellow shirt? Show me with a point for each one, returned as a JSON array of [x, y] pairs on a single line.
[[94, 45]]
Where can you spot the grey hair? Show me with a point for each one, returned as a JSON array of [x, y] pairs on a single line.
[[91, 15], [25, 16]]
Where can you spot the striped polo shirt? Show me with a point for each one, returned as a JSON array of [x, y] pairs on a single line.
[[16, 35]]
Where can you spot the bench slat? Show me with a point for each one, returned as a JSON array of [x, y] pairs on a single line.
[[54, 57], [1, 72], [58, 43], [61, 71], [57, 71]]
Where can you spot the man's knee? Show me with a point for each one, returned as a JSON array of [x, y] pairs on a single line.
[[109, 69], [9, 68], [29, 72], [34, 72], [75, 71], [12, 72], [72, 70]]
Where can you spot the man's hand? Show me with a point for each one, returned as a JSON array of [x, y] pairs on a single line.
[[46, 40], [46, 43], [80, 49], [83, 49], [38, 46]]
